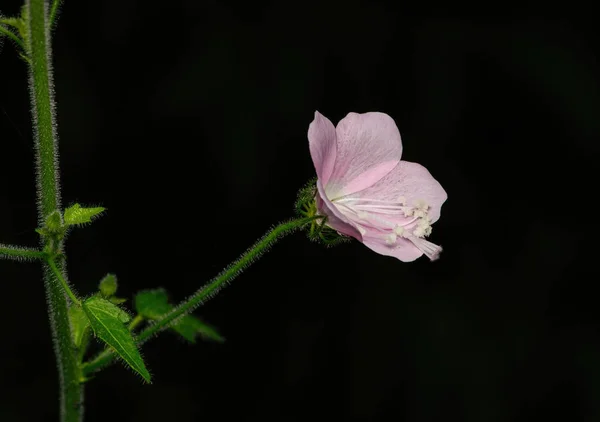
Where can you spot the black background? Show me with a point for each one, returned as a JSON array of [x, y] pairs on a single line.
[[188, 121]]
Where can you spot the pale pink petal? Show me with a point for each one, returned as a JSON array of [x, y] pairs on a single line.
[[322, 143], [368, 147], [409, 182], [335, 219], [403, 249]]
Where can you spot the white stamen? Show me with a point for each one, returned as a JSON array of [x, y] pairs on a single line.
[[399, 230], [401, 200], [358, 199], [408, 211], [377, 207], [419, 231], [391, 238], [420, 204], [431, 250], [423, 227], [374, 211]]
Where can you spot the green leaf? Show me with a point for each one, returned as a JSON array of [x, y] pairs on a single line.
[[75, 215], [107, 321], [42, 232], [117, 300], [54, 223], [80, 325], [189, 327], [153, 304], [108, 285]]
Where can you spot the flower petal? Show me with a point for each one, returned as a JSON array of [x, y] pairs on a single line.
[[414, 183], [322, 143], [403, 249], [368, 147], [335, 219]]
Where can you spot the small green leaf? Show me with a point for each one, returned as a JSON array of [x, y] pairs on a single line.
[[75, 215], [107, 320], [80, 325], [189, 327], [108, 285], [42, 232], [54, 223], [153, 304], [117, 300]]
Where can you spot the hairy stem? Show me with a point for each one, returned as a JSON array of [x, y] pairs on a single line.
[[12, 36], [53, 12], [137, 320], [46, 147], [20, 254], [62, 281], [205, 293]]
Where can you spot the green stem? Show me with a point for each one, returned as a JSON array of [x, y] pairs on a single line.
[[42, 95], [137, 320], [53, 12], [205, 293], [62, 281], [44, 124], [20, 254], [12, 36]]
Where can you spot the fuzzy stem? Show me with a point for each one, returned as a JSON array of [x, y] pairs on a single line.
[[45, 138], [20, 254], [206, 292], [63, 282], [137, 320], [12, 36], [53, 12]]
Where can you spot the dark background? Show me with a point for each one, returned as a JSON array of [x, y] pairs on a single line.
[[188, 121]]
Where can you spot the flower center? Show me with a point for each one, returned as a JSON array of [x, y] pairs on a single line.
[[376, 214]]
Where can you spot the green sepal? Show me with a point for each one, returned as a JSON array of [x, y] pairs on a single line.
[[153, 304], [318, 230], [305, 205], [108, 323], [76, 215], [108, 285]]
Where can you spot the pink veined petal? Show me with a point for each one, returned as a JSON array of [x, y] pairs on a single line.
[[368, 147], [322, 144], [368, 178], [335, 219], [412, 182], [404, 249]]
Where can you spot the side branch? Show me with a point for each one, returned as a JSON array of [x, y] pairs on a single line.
[[20, 254]]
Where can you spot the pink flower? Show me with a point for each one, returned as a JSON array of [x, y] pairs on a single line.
[[366, 191]]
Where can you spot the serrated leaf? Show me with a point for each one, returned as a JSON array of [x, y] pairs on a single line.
[[189, 327], [80, 324], [108, 285], [75, 214], [107, 320], [153, 304]]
